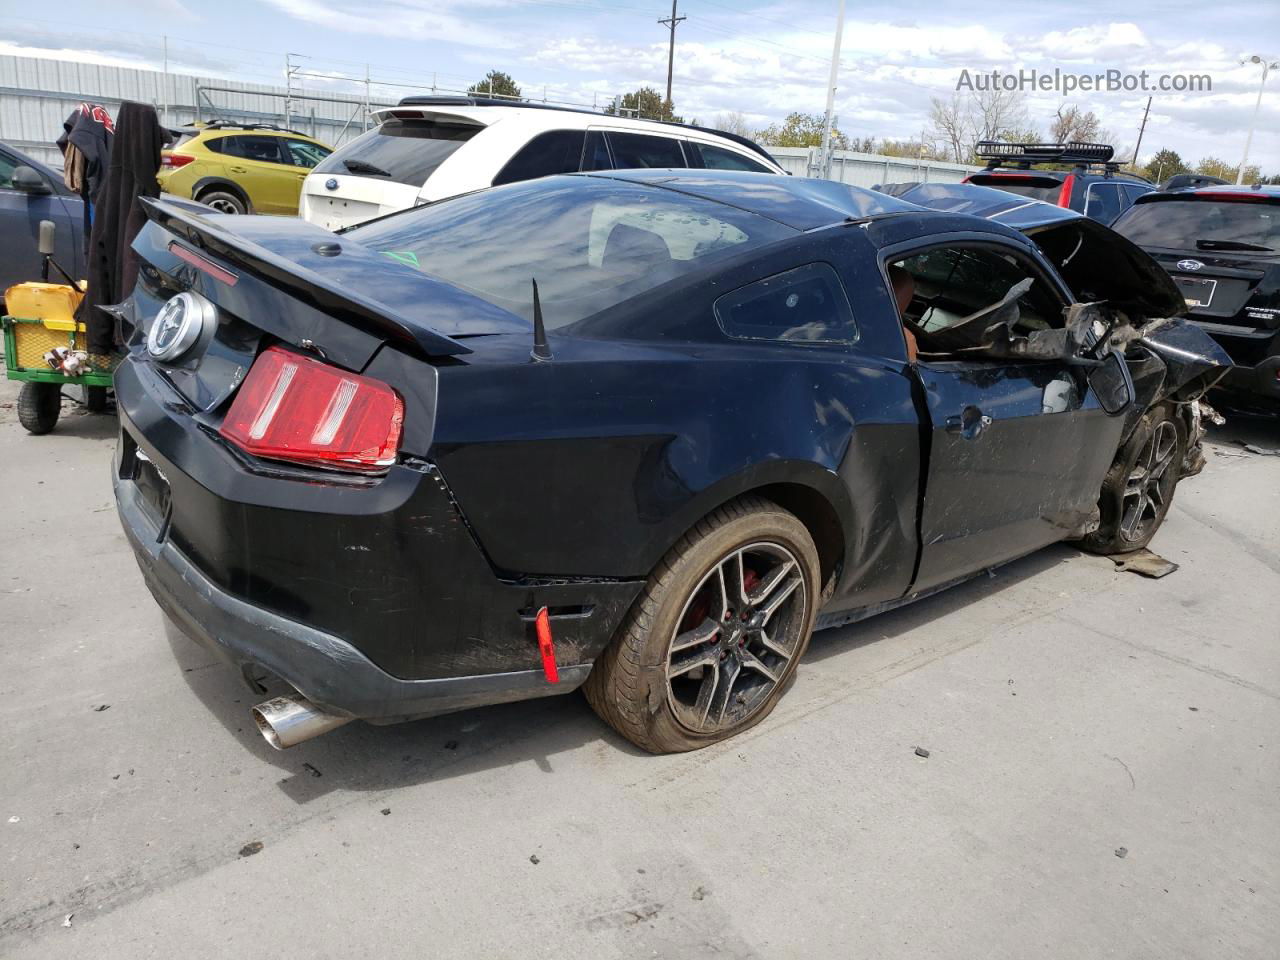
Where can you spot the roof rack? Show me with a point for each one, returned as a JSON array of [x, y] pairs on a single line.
[[462, 101], [237, 125], [1023, 155]]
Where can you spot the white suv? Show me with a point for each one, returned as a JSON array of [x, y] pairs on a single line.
[[429, 148]]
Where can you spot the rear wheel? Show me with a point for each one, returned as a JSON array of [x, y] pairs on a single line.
[[1138, 489], [95, 399], [39, 405], [715, 637], [224, 201]]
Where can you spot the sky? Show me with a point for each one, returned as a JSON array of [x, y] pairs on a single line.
[[761, 59]]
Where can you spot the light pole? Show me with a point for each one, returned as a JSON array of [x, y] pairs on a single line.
[[831, 96], [1248, 140]]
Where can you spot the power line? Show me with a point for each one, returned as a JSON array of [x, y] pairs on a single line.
[[672, 21]]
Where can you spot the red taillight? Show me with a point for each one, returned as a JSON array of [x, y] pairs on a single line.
[[171, 161], [1064, 197], [294, 408]]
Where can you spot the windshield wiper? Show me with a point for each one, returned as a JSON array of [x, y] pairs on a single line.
[[360, 166], [1230, 245]]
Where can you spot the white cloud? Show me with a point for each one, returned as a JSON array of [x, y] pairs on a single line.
[[401, 19]]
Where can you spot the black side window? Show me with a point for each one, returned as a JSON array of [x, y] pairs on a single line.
[[595, 155], [214, 145], [1104, 202], [950, 297], [1132, 191], [718, 158], [262, 149], [7, 165], [804, 305], [556, 151], [635, 151]]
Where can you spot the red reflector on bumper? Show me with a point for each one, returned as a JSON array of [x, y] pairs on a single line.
[[548, 652]]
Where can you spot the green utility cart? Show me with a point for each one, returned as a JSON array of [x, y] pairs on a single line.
[[45, 349]]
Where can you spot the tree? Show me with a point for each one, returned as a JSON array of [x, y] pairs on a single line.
[[1072, 123], [646, 103], [1213, 167], [911, 149], [951, 124], [801, 130], [733, 123], [1165, 164], [983, 115], [496, 84]]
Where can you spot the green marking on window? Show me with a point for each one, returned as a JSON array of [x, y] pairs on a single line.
[[407, 257]]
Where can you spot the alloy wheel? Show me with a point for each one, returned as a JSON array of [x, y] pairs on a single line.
[[1150, 482], [736, 636]]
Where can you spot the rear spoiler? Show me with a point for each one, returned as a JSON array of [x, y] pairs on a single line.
[[207, 234]]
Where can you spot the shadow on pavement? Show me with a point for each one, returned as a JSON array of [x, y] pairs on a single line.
[[369, 758]]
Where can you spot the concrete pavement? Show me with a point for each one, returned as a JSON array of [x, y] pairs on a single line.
[[1070, 711]]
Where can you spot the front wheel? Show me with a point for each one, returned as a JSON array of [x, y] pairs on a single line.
[[39, 405], [1138, 489], [715, 637]]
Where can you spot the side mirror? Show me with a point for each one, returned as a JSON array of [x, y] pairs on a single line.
[[27, 180], [48, 233], [1111, 384]]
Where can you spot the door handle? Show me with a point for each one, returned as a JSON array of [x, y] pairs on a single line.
[[238, 169], [968, 423]]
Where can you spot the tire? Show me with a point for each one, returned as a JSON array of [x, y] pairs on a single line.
[[224, 201], [1139, 487], [669, 690], [95, 399], [39, 405]]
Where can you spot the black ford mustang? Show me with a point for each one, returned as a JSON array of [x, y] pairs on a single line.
[[641, 431]]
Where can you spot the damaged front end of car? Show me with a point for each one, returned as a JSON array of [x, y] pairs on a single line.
[[1128, 308]]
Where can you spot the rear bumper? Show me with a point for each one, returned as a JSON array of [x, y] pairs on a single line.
[[373, 600], [325, 669]]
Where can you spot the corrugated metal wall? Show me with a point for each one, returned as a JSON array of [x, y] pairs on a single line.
[[869, 169], [36, 95]]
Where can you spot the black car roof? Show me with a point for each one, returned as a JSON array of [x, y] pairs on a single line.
[[1226, 191], [799, 202]]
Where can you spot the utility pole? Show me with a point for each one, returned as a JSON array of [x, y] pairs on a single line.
[[166, 82], [671, 22], [1141, 130], [831, 95], [1248, 140]]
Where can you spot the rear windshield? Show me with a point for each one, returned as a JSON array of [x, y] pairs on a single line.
[[590, 242], [406, 151], [1235, 226], [1037, 188]]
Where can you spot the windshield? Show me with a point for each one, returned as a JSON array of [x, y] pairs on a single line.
[[406, 151], [1240, 226], [1036, 188], [590, 242]]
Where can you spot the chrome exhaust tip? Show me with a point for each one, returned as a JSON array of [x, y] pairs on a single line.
[[287, 721]]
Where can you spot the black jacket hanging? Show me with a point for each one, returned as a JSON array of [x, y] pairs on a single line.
[[117, 218]]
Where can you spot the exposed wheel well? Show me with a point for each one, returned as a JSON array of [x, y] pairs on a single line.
[[819, 517], [210, 184]]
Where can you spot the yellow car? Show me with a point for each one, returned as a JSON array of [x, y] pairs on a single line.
[[240, 168]]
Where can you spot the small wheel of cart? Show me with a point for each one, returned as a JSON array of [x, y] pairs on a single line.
[[39, 405], [95, 399]]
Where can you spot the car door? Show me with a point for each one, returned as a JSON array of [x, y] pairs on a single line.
[[256, 163], [302, 156], [21, 213], [1017, 449]]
